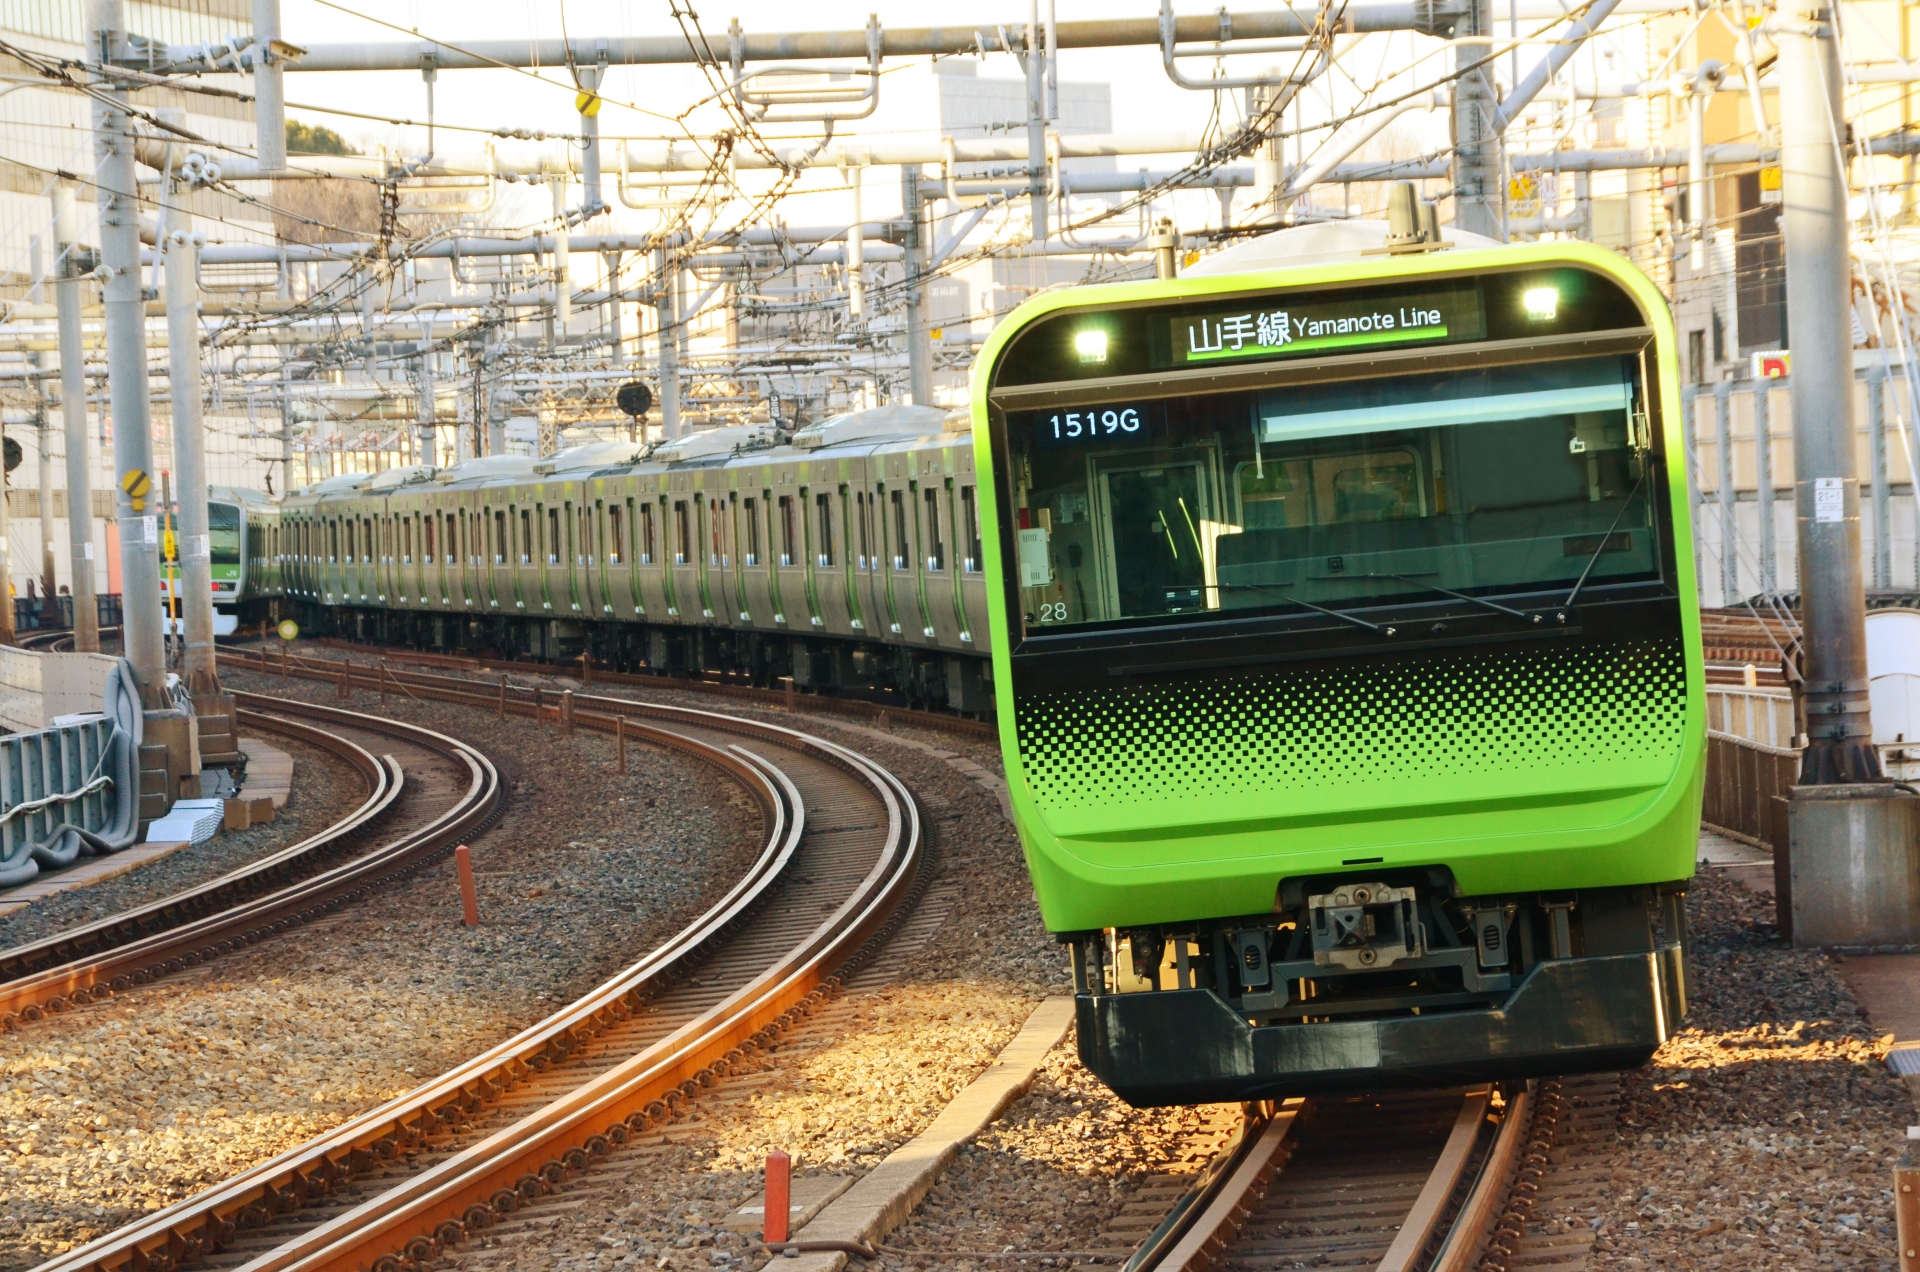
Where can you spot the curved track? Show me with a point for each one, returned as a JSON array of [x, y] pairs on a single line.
[[426, 792], [1421, 1181], [389, 1188]]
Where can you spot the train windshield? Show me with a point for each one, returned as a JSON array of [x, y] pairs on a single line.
[[1334, 496], [223, 533]]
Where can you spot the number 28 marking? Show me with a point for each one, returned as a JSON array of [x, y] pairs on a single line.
[[1054, 612]]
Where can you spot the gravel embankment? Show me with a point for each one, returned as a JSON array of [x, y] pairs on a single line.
[[1764, 1134], [123, 1107], [318, 799]]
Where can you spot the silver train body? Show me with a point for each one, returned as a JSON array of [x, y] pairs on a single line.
[[847, 558]]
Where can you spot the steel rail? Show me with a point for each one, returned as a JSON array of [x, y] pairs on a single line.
[[471, 1189], [63, 969], [181, 1232], [407, 1225], [141, 957], [1200, 1232]]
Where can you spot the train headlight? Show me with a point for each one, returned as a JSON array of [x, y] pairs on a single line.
[[1542, 302], [1091, 345]]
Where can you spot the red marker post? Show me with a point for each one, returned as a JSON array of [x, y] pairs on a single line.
[[779, 1196], [469, 899]]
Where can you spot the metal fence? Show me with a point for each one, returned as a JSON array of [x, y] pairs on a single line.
[[58, 795], [1750, 764]]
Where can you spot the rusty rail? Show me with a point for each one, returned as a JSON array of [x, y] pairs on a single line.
[[410, 1223], [129, 949]]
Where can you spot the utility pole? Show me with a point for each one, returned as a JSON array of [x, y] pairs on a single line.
[[286, 429], [1036, 131], [43, 438], [919, 335], [126, 331], [1476, 162], [181, 246], [1850, 833], [1820, 332], [73, 419], [667, 304]]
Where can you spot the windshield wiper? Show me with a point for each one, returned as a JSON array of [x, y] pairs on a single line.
[[1601, 546], [1481, 601], [1344, 617]]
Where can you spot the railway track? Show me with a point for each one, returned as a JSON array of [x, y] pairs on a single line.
[[425, 793], [1422, 1181], [389, 1189]]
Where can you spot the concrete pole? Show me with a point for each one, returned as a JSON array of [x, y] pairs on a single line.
[[856, 251], [1476, 162], [126, 331], [427, 427], [590, 201], [562, 279], [73, 419], [286, 428], [919, 334], [269, 87], [667, 282], [1036, 128], [1820, 332], [43, 438], [180, 246]]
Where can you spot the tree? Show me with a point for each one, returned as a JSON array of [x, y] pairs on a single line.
[[315, 139]]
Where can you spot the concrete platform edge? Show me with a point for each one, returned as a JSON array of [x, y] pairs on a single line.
[[881, 1200]]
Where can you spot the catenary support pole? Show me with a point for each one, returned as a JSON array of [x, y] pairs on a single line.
[[126, 331], [178, 244], [43, 438], [1476, 181], [1819, 330], [286, 428], [269, 87], [1036, 126], [73, 420], [667, 275], [919, 335]]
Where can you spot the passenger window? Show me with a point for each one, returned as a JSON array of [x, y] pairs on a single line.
[[936, 546], [750, 509], [526, 537], [786, 530], [863, 512], [970, 518], [682, 533], [823, 506], [648, 550], [619, 535], [499, 538], [553, 536], [899, 530]]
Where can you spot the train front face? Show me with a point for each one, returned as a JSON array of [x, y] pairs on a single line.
[[1349, 677]]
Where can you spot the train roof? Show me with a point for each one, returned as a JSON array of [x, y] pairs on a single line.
[[240, 495], [1321, 243]]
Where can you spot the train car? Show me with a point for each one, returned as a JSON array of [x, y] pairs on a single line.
[[243, 529], [845, 557], [1348, 667]]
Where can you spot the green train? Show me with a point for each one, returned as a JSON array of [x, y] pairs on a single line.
[[1347, 664], [846, 557], [242, 542]]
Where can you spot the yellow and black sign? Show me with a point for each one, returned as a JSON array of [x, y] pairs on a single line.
[[587, 103], [138, 486]]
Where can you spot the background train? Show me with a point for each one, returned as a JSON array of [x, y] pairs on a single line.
[[847, 557]]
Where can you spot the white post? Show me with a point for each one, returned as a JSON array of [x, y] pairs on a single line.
[[73, 419], [181, 247]]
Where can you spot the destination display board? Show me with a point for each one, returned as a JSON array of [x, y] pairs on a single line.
[[1304, 324]]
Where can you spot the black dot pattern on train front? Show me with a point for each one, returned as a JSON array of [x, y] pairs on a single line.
[[1589, 712]]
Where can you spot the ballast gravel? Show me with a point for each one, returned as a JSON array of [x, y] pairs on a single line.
[[122, 1107], [318, 798], [1764, 1133]]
